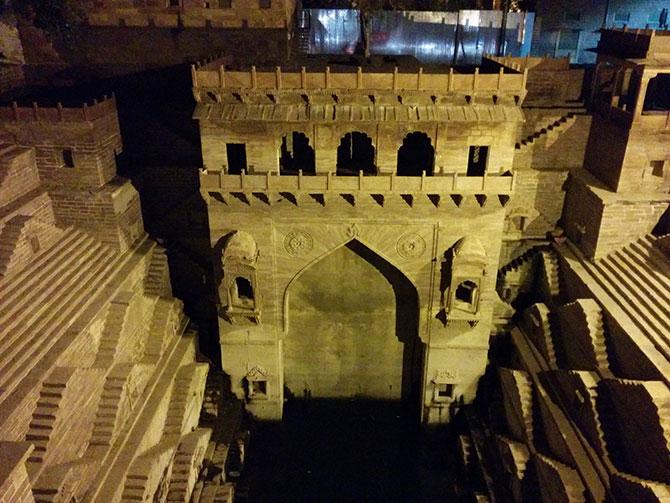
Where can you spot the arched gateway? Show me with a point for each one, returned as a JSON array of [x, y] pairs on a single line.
[[352, 329]]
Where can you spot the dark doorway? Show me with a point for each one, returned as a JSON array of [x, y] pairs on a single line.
[[657, 98], [477, 160], [296, 154], [237, 158], [356, 153], [416, 155]]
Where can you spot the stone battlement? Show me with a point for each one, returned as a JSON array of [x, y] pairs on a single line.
[[206, 78], [59, 113]]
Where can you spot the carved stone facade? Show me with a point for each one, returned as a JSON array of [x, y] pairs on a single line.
[[406, 227]]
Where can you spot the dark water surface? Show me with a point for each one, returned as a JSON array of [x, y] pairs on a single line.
[[342, 450]]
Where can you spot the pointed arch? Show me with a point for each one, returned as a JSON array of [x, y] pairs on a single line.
[[416, 155], [355, 153], [399, 306], [295, 153]]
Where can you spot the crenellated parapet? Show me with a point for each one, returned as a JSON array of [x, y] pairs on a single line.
[[212, 83]]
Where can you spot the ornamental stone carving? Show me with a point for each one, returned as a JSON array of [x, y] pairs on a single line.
[[298, 243], [410, 245]]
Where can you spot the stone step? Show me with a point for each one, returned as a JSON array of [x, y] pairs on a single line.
[[653, 260], [643, 283], [631, 311], [659, 282], [15, 290], [72, 239], [44, 334], [646, 307], [48, 296]]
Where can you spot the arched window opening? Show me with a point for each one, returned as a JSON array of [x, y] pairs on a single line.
[[244, 290], [296, 154], [416, 155], [657, 98], [465, 292], [356, 153]]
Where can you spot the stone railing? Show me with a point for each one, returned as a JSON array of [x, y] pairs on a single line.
[[205, 77], [59, 113], [451, 183]]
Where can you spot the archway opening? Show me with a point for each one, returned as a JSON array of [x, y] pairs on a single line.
[[416, 155], [657, 98], [353, 330], [356, 153], [296, 154]]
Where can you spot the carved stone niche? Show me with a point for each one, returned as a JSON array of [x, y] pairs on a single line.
[[238, 288], [443, 386], [257, 380], [467, 267]]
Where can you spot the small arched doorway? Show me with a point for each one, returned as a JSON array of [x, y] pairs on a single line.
[[296, 154], [353, 330], [356, 153], [416, 155]]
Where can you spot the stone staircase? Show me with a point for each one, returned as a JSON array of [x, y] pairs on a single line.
[[106, 417], [518, 391], [157, 279], [549, 132], [551, 277], [166, 312], [41, 302], [186, 381], [637, 277], [187, 465], [9, 236], [44, 417], [642, 426], [111, 333], [522, 259]]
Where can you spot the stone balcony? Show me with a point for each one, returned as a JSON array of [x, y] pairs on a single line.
[[436, 188]]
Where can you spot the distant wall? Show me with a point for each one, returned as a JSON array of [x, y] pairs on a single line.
[[569, 27], [99, 45]]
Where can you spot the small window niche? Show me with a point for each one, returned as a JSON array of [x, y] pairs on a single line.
[[259, 388], [477, 158], [656, 169], [238, 290], [67, 158], [467, 268], [466, 292], [257, 384], [243, 293], [265, 4], [444, 385], [225, 4]]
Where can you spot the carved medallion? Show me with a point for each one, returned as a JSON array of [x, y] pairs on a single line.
[[298, 243], [410, 246]]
